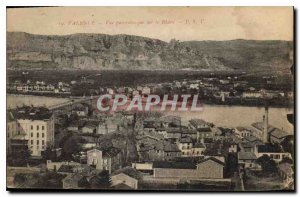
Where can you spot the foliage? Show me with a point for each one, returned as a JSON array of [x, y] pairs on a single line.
[[268, 165]]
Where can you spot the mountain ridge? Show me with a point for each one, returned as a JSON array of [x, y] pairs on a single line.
[[102, 51]]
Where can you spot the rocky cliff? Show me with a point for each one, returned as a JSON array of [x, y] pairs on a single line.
[[99, 51]]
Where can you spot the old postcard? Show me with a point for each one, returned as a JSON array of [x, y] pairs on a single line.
[[150, 98]]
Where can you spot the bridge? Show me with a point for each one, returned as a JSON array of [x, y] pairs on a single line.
[[71, 103]]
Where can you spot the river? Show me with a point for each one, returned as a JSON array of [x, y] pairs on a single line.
[[227, 116]]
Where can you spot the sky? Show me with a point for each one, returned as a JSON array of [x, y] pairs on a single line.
[[164, 23]]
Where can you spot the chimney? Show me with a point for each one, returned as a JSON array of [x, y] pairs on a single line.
[[265, 126]]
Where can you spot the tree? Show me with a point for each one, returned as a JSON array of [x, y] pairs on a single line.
[[268, 165], [287, 160], [21, 157], [48, 154], [104, 179]]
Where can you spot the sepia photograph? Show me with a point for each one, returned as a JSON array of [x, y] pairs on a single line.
[[193, 99]]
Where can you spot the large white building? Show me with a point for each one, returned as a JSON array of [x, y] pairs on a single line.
[[30, 126]]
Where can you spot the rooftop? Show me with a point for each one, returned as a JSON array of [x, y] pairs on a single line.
[[269, 148], [173, 164], [278, 133], [130, 172], [31, 113], [247, 156], [213, 159]]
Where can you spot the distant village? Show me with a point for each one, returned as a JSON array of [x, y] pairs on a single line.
[[229, 90], [75, 147]]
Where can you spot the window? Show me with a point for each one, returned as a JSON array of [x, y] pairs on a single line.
[[31, 142], [43, 128], [37, 142], [276, 156], [43, 134], [43, 142], [31, 127], [37, 127], [31, 134], [37, 135]]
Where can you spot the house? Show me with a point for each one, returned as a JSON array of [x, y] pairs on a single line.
[[54, 166], [73, 126], [199, 124], [274, 151], [170, 121], [143, 167], [31, 127], [185, 145], [198, 149], [173, 133], [171, 151], [128, 176], [209, 168], [248, 160], [72, 181], [275, 135], [157, 150], [90, 128], [104, 158], [251, 94], [108, 126], [186, 132], [243, 131], [81, 110], [203, 133]]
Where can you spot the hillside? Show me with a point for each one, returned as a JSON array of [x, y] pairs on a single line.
[[100, 51]]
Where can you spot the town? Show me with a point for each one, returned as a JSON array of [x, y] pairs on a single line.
[[212, 89], [75, 146]]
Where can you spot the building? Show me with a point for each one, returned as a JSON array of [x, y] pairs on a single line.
[[104, 158], [34, 127], [190, 149], [209, 168], [81, 110], [243, 131], [274, 151], [248, 160], [11, 130], [275, 135], [108, 126], [251, 94], [128, 176], [90, 128], [203, 133]]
